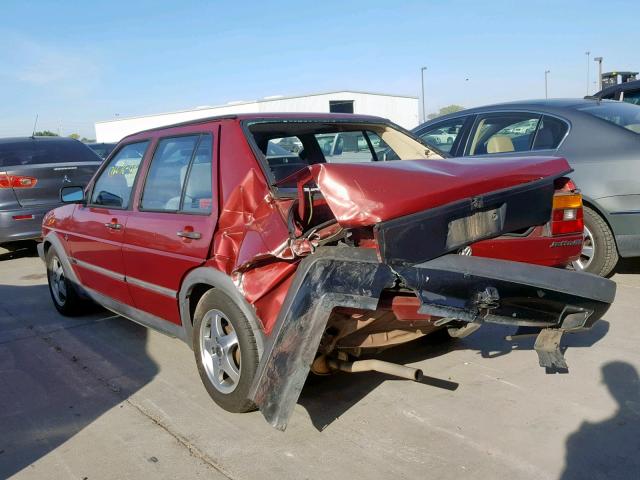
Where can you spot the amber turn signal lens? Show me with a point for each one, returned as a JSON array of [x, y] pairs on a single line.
[[573, 200]]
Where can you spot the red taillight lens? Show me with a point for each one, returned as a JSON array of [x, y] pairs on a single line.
[[16, 181], [567, 209]]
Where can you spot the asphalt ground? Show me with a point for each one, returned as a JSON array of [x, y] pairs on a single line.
[[100, 397]]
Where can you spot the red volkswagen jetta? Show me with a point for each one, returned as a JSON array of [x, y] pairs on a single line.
[[271, 261]]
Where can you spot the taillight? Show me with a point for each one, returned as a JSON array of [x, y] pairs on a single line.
[[16, 181], [566, 216]]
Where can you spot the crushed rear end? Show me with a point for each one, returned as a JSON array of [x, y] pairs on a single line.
[[400, 223]]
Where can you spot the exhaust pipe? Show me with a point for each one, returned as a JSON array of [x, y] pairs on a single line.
[[394, 369]]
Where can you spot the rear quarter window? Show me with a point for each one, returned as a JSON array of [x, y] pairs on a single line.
[[38, 152], [622, 114]]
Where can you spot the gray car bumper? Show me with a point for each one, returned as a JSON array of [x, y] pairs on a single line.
[[13, 229]]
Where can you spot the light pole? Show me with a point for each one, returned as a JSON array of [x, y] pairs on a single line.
[[424, 113], [599, 60], [546, 90], [587, 53]]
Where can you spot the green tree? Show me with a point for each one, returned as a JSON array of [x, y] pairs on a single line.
[[445, 111], [75, 136], [45, 133]]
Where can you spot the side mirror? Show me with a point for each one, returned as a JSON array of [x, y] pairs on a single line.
[[72, 194]]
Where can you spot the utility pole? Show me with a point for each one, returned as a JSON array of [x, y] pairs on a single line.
[[599, 60], [424, 113], [587, 53], [546, 90]]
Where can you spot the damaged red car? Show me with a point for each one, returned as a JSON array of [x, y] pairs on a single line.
[[271, 262]]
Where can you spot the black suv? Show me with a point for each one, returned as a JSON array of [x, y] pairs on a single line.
[[626, 92], [32, 171]]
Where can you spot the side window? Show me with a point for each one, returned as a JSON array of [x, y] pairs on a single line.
[[503, 133], [198, 196], [442, 135], [550, 133], [168, 170], [179, 178], [113, 187]]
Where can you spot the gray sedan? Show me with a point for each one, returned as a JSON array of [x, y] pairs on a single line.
[[599, 138]]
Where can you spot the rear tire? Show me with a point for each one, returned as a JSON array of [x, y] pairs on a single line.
[[599, 253], [226, 351], [63, 293]]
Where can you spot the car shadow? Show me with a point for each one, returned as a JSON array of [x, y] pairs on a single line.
[[611, 448], [22, 249], [627, 265], [326, 399], [59, 374]]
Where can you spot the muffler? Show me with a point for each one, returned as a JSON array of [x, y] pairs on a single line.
[[373, 365]]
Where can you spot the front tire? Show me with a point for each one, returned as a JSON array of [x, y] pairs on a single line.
[[63, 293], [226, 351], [599, 253]]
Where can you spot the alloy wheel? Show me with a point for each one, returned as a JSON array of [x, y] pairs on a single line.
[[588, 250], [220, 351], [58, 282]]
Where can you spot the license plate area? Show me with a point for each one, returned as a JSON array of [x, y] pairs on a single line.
[[462, 231]]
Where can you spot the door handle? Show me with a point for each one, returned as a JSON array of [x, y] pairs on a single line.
[[189, 234], [113, 226]]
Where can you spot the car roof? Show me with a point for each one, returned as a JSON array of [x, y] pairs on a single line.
[[555, 106], [7, 140], [284, 116], [620, 87]]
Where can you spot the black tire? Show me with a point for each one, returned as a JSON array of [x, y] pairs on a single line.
[[67, 302], [213, 302], [605, 254]]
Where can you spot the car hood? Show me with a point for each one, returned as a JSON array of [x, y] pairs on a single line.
[[362, 194]]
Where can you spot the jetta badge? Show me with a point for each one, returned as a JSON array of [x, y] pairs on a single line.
[[66, 179]]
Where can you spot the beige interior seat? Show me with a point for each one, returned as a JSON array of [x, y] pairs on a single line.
[[500, 144]]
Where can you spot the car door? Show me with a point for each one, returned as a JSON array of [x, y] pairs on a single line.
[[97, 229], [171, 228], [514, 133]]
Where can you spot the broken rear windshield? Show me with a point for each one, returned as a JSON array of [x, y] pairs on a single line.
[[289, 146]]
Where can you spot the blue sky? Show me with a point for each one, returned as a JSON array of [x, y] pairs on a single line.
[[73, 63]]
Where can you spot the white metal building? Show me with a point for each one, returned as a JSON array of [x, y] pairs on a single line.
[[400, 109]]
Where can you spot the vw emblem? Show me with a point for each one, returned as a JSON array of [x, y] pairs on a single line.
[[66, 179], [467, 251]]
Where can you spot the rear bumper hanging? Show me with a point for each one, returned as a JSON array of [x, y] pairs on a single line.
[[454, 287]]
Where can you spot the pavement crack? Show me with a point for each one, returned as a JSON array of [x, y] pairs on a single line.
[[194, 451]]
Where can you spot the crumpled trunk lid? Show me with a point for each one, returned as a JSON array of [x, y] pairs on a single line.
[[362, 194]]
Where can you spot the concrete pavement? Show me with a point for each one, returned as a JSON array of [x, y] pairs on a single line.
[[99, 397]]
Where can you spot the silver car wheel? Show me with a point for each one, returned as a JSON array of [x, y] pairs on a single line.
[[58, 282], [220, 351], [588, 250]]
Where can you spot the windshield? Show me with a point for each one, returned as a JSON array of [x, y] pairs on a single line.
[[289, 146], [619, 113]]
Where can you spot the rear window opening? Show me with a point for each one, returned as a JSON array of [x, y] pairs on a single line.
[[289, 146]]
